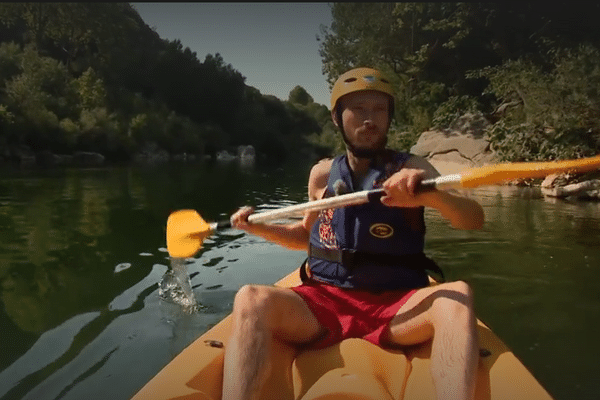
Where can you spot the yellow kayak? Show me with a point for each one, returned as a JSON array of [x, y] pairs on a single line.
[[352, 369]]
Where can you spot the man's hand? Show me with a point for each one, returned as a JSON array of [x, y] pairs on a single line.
[[239, 220], [400, 189]]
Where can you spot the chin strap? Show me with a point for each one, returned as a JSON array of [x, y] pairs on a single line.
[[356, 151]]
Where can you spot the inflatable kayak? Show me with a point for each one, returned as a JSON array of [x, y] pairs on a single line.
[[352, 369]]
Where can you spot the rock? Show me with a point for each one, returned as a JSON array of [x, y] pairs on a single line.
[[471, 123], [26, 160], [151, 153], [460, 147], [180, 157], [46, 158], [246, 155], [246, 151], [224, 156], [88, 159], [562, 186], [22, 155], [554, 180], [64, 159]]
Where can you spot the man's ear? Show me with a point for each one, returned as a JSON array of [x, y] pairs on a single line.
[[334, 118]]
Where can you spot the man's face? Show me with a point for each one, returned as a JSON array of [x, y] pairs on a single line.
[[365, 117]]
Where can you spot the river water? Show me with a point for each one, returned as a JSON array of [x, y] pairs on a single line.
[[83, 260]]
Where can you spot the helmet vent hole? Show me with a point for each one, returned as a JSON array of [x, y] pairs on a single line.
[[384, 80], [350, 80]]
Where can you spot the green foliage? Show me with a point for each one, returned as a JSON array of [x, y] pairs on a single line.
[[556, 112], [523, 64], [94, 76], [402, 140], [527, 142], [300, 96], [91, 89], [6, 120], [452, 109], [329, 141], [5, 115], [10, 61]]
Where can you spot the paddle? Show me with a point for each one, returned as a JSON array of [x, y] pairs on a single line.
[[186, 229]]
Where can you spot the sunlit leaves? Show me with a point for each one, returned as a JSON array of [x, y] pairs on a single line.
[[90, 89]]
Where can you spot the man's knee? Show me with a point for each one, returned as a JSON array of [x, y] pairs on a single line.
[[464, 290], [455, 303], [251, 300]]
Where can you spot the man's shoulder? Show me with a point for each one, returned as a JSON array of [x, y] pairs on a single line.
[[321, 168], [319, 175]]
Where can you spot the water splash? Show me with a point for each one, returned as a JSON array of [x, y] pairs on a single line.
[[176, 287]]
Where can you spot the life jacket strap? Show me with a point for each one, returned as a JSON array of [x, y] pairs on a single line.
[[349, 258]]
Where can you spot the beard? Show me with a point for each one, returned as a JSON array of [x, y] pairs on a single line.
[[367, 151]]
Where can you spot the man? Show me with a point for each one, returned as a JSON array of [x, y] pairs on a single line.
[[365, 274]]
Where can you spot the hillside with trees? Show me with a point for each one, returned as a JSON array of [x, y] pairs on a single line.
[[93, 77]]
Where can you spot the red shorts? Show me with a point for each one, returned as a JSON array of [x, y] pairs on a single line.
[[350, 313]]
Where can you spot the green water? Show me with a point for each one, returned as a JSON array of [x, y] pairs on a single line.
[[82, 254]]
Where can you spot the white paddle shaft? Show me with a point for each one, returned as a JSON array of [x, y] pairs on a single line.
[[316, 205], [350, 199]]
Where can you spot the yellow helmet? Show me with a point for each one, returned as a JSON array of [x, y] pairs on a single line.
[[360, 79]]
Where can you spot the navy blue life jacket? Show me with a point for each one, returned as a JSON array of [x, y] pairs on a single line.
[[369, 246]]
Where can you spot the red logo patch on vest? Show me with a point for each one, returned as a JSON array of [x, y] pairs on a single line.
[[381, 231], [326, 233]]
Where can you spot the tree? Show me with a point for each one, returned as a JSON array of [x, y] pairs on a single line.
[[299, 95], [94, 76], [428, 49], [69, 30]]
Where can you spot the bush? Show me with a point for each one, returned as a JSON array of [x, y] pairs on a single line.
[[556, 112], [527, 142], [452, 109], [402, 140]]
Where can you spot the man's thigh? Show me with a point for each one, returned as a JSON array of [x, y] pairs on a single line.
[[414, 322], [287, 314]]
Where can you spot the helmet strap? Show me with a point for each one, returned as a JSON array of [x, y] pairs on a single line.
[[357, 151]]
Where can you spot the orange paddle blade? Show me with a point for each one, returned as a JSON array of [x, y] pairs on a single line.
[[494, 174], [185, 232]]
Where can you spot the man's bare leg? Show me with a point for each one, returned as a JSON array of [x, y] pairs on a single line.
[[264, 318], [444, 312]]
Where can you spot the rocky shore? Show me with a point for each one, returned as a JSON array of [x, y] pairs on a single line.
[[23, 156], [464, 146], [460, 147]]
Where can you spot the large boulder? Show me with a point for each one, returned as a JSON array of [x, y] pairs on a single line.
[[460, 147], [246, 155], [246, 151]]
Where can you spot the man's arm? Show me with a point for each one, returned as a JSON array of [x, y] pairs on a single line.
[[462, 212], [293, 236]]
